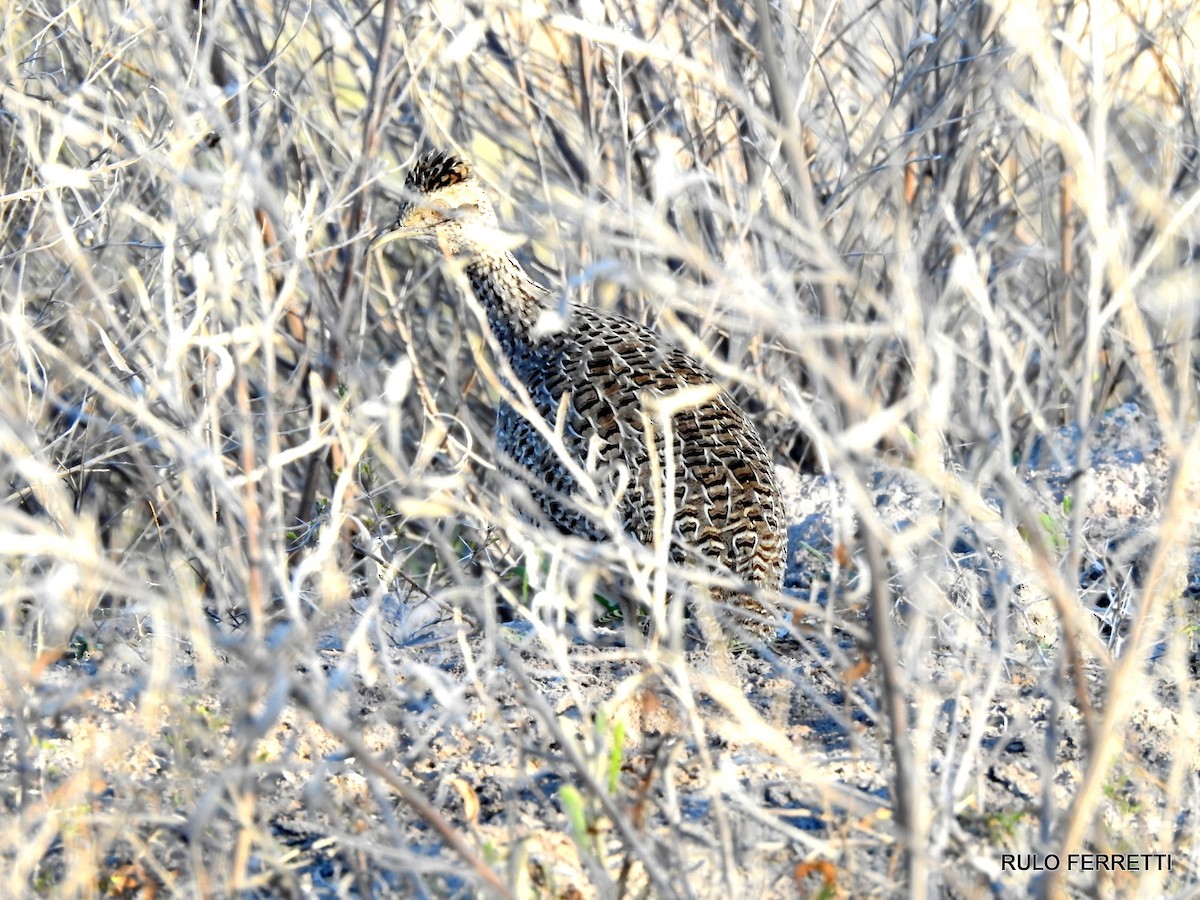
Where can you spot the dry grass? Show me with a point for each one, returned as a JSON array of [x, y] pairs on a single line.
[[256, 561]]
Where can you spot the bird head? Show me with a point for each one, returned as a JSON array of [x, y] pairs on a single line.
[[445, 205]]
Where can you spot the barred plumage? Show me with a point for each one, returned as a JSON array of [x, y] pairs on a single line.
[[614, 374]]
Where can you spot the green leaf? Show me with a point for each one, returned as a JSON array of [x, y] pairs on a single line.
[[615, 756], [572, 802]]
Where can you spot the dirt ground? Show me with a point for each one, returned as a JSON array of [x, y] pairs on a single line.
[[574, 770]]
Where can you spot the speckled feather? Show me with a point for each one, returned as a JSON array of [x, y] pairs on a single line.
[[727, 504]]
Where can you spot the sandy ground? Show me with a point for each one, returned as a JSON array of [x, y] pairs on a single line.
[[577, 770]]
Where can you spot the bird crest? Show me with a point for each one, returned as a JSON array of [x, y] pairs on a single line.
[[437, 170]]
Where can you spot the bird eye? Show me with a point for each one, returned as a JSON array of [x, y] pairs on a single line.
[[439, 205]]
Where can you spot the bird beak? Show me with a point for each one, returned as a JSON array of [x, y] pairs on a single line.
[[389, 233]]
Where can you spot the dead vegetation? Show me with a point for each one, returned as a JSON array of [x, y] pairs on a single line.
[[269, 621]]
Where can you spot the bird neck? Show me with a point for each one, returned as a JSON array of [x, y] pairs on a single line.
[[512, 300]]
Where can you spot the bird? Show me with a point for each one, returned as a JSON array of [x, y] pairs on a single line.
[[606, 384]]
